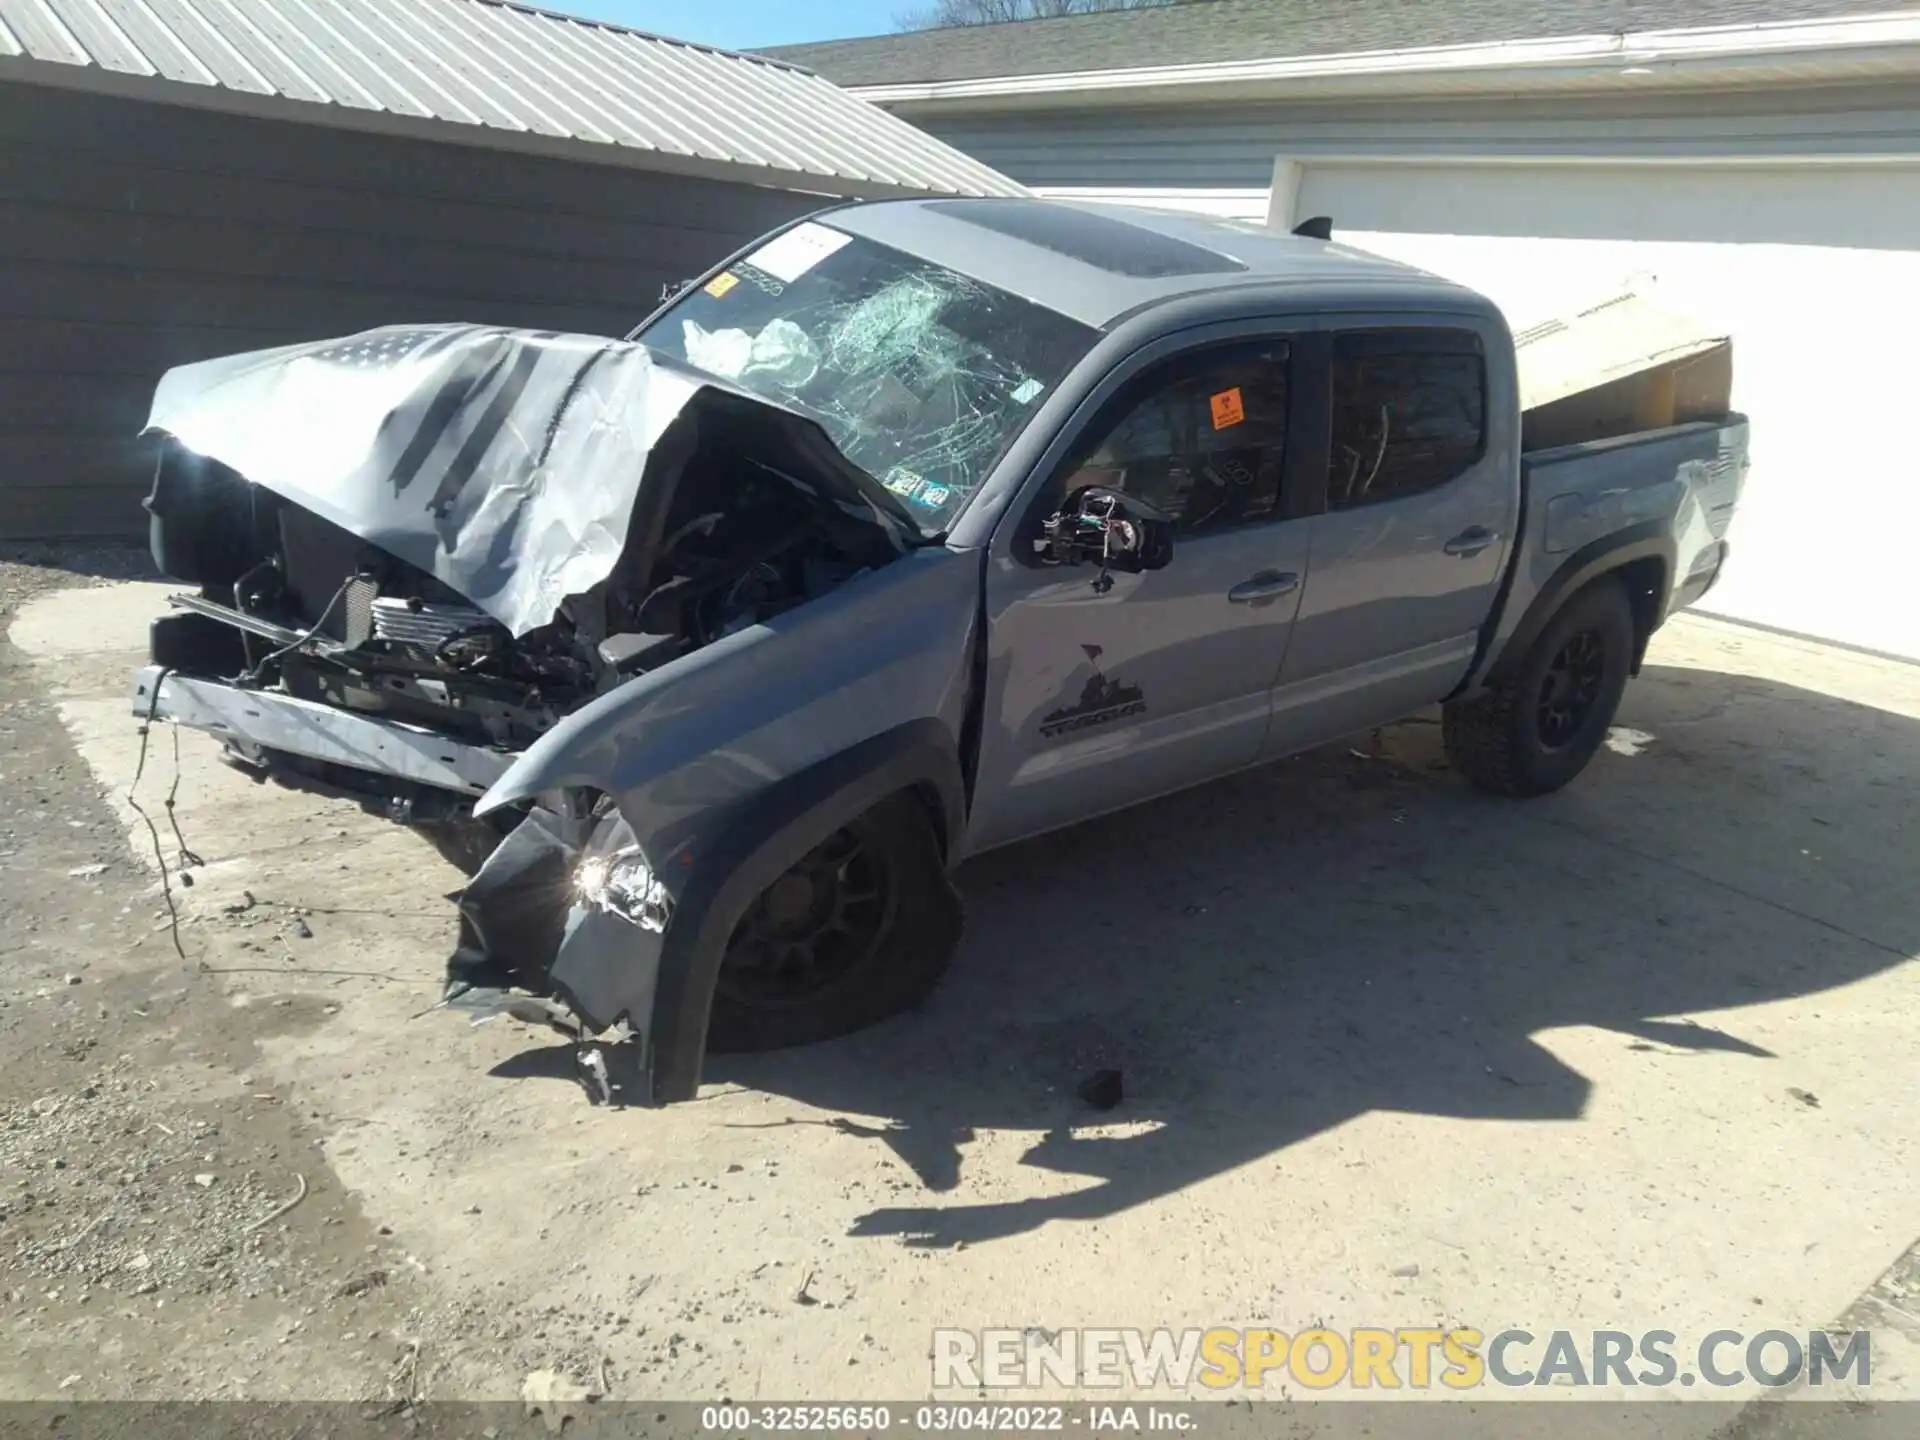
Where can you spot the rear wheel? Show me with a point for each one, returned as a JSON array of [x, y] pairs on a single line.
[[1535, 729], [860, 927]]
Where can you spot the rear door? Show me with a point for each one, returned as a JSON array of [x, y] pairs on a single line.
[[1102, 694], [1420, 511]]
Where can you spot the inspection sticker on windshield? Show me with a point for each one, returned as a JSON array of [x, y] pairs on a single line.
[[916, 488], [720, 284], [1228, 409], [1026, 390], [787, 257]]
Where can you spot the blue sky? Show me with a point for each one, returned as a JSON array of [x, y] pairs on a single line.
[[744, 24]]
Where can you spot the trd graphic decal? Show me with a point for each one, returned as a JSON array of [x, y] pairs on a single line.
[[1101, 702]]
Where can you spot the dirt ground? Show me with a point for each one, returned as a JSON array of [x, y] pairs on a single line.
[[1639, 1055]]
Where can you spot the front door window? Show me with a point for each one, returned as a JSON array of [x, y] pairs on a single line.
[[1201, 439]]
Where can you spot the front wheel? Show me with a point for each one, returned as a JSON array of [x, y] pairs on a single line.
[[1536, 728], [860, 927]]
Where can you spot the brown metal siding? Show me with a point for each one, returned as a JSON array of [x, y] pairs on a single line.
[[136, 236]]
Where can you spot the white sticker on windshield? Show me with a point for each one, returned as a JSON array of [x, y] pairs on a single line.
[[1026, 391], [787, 257]]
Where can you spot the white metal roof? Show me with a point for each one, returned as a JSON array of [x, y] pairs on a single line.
[[522, 78]]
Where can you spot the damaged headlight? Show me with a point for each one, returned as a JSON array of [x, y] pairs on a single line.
[[624, 884]]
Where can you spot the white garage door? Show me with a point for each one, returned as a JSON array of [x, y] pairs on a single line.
[[1815, 272], [1816, 275]]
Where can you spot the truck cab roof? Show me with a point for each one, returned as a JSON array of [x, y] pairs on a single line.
[[1098, 263]]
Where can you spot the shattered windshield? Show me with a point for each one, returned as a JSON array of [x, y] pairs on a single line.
[[921, 376]]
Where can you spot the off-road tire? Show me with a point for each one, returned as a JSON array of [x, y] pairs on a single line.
[[917, 936], [1496, 739]]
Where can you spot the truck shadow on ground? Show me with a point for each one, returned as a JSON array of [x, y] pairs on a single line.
[[1270, 956]]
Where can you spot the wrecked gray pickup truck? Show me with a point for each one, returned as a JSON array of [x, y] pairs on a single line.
[[915, 529]]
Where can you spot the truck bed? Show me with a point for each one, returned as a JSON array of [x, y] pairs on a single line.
[[1670, 491], [1691, 473]]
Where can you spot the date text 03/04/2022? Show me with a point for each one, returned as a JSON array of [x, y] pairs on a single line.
[[943, 1418]]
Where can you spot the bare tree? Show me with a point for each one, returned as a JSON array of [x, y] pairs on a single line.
[[942, 13]]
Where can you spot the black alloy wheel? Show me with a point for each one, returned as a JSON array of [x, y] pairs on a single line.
[[1570, 688], [857, 929], [810, 928]]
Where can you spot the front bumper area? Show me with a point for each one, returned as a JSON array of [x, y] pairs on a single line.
[[527, 925], [255, 720]]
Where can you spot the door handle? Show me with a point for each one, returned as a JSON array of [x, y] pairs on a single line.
[[1265, 586], [1471, 541]]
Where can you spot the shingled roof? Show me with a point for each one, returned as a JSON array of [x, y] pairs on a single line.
[[1213, 31]]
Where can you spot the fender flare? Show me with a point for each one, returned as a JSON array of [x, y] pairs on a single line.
[[1650, 540], [769, 832]]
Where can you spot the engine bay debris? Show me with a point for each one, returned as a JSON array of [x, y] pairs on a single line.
[[478, 530], [475, 533]]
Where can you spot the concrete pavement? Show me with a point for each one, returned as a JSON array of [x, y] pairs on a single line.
[[1396, 1054]]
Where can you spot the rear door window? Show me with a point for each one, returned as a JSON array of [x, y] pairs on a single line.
[[1409, 413]]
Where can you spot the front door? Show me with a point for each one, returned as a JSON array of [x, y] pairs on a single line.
[[1106, 689]]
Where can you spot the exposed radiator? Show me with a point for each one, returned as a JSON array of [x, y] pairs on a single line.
[[414, 622]]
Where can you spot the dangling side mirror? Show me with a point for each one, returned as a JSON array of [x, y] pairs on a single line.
[[1108, 529]]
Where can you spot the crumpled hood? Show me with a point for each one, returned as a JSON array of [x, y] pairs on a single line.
[[505, 463]]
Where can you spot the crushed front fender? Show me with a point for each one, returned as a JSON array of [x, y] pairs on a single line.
[[566, 911]]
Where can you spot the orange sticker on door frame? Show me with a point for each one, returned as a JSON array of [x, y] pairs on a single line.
[[1228, 409]]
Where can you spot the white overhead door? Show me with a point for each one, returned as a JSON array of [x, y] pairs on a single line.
[[1814, 271]]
